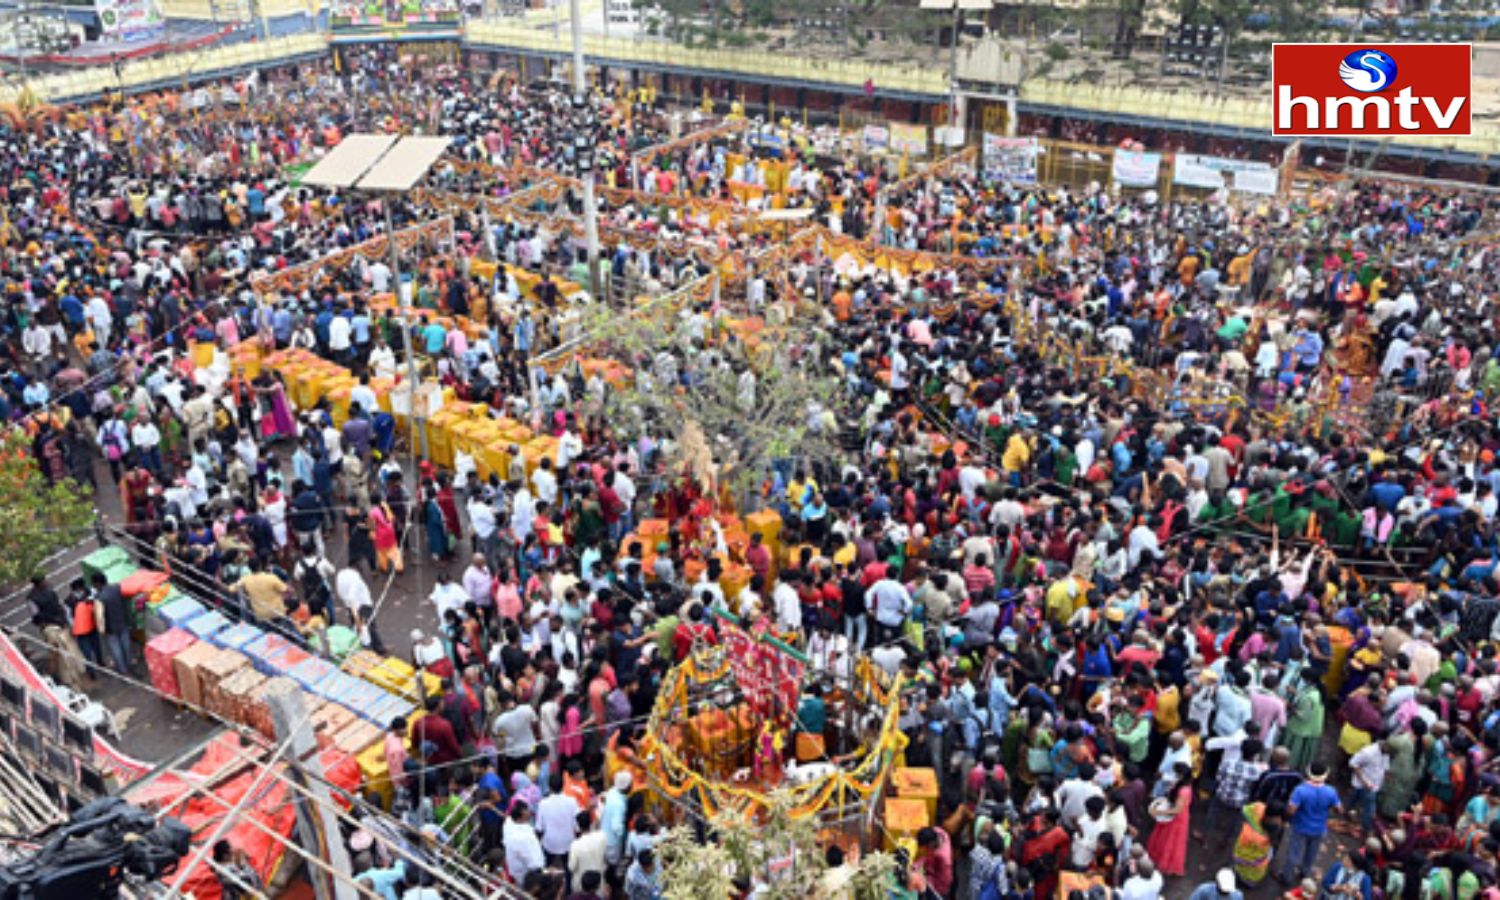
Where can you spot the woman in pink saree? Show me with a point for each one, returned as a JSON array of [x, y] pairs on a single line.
[[387, 547], [276, 420]]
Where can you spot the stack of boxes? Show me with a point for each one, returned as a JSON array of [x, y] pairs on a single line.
[[188, 665], [160, 652], [212, 674], [228, 669]]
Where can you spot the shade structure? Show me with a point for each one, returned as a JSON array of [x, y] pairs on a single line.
[[349, 161], [402, 166]]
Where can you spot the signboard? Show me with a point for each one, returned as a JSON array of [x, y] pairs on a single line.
[[909, 139], [948, 136], [1136, 168], [129, 19], [621, 11], [1194, 170], [391, 15], [769, 677], [1011, 159], [876, 138], [1371, 91], [1255, 181]]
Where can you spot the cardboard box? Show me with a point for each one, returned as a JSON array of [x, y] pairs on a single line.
[[161, 651]]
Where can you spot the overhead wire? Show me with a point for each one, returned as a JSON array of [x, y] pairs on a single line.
[[95, 381], [260, 740], [254, 736], [1248, 507]]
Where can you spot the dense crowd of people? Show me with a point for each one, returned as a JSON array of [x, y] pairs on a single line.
[[1219, 572]]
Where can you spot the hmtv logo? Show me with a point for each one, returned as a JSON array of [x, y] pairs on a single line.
[[1370, 90]]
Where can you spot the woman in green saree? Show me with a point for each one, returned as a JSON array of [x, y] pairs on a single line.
[[1252, 849], [1401, 779]]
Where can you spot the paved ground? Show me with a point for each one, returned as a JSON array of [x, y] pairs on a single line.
[[155, 730]]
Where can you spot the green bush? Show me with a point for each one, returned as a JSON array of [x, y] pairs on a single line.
[[1057, 52]]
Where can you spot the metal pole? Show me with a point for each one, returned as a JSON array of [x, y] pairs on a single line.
[[228, 820], [318, 827], [953, 68], [418, 436], [590, 213], [23, 15]]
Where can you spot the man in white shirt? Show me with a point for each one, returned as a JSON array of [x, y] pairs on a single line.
[[515, 732], [523, 852], [482, 522], [890, 602], [557, 821], [787, 606], [37, 342], [544, 482], [569, 448], [522, 514], [1073, 796], [146, 439], [364, 395], [1143, 541], [1087, 830], [899, 367], [100, 319], [586, 863], [380, 277], [352, 590], [1145, 884], [625, 490], [970, 479], [339, 342], [448, 595]]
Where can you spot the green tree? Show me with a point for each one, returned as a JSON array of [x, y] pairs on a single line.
[[780, 852], [1229, 15], [36, 518], [1128, 15], [1298, 18], [726, 427]]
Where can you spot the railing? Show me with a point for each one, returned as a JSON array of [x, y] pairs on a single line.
[[1253, 115], [173, 69], [752, 63]]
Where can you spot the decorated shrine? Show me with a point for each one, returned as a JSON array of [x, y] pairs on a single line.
[[725, 733]]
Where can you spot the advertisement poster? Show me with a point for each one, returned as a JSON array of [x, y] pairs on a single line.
[[909, 139], [877, 139], [17, 670], [129, 19], [1256, 181], [1010, 159], [394, 14], [1192, 170], [1209, 172], [1136, 168]]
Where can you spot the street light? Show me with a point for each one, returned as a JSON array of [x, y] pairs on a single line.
[[584, 116]]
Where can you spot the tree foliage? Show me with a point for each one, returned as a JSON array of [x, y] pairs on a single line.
[[36, 518], [701, 399], [692, 21], [781, 853]]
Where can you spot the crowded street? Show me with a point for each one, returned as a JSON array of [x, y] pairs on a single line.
[[647, 474]]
